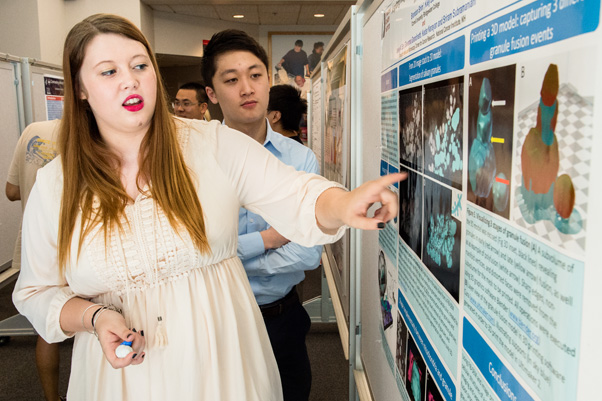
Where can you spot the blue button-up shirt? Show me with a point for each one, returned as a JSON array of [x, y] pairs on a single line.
[[274, 272]]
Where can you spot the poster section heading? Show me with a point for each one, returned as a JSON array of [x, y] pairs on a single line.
[[438, 61], [534, 25], [388, 81], [447, 386], [425, 22], [501, 380], [386, 168]]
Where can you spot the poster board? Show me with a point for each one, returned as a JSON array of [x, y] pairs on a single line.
[[10, 212], [316, 115], [45, 90], [336, 106], [486, 286]]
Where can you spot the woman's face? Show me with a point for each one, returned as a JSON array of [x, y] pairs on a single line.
[[119, 82]]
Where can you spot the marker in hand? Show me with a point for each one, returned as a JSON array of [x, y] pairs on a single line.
[[124, 349]]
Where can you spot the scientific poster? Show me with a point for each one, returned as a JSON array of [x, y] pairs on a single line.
[[316, 117], [54, 96], [495, 124], [337, 115], [336, 104]]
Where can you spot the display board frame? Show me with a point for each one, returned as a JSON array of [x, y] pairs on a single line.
[[338, 254], [572, 354], [10, 212]]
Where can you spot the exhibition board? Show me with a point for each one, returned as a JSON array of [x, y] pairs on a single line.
[[10, 212], [334, 78], [486, 285]]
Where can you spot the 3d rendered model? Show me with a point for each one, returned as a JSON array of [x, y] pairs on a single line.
[[545, 195]]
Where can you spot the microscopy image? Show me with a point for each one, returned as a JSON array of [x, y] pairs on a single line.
[[415, 374], [432, 392], [386, 305], [443, 108], [490, 135], [410, 128], [410, 211], [442, 237], [402, 345]]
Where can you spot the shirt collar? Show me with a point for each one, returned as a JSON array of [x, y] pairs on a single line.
[[272, 138], [277, 140]]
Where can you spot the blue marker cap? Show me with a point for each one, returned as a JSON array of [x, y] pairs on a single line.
[[128, 343]]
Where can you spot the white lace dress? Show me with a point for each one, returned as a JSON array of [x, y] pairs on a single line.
[[217, 346]]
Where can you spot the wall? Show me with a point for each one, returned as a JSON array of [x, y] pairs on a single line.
[[264, 30], [147, 23], [13, 38], [184, 35], [77, 10], [53, 30]]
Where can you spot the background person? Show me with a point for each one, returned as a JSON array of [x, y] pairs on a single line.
[[285, 111], [314, 58], [235, 67], [191, 101], [116, 243], [302, 85], [36, 147], [295, 61]]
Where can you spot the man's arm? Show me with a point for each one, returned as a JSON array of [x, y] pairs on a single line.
[[278, 255], [13, 192], [286, 259]]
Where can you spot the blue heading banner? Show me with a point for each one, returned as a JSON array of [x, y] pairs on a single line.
[[537, 24], [438, 61], [388, 80], [386, 168], [501, 380], [438, 371]]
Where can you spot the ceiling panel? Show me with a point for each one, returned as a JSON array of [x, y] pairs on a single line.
[[278, 14], [162, 7], [249, 11], [206, 11], [259, 12], [331, 13]]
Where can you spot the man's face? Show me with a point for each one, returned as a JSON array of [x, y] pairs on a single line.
[[241, 87], [297, 48], [186, 105], [300, 81], [320, 50]]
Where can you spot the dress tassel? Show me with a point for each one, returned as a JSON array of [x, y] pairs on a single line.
[[160, 334]]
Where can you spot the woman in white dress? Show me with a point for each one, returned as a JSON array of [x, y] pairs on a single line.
[[130, 234]]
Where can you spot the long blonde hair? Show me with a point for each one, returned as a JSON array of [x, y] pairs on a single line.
[[89, 166]]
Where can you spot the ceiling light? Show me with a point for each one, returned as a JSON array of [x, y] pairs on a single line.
[[238, 16], [319, 15]]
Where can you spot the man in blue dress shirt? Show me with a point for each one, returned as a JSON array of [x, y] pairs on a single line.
[[235, 70]]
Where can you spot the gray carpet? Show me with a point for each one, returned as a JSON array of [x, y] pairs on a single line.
[[19, 380]]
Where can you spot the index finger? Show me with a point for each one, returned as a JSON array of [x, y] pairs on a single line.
[[391, 179]]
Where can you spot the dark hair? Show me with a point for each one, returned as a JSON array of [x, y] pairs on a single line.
[[287, 100], [317, 45], [201, 95], [299, 43], [226, 41]]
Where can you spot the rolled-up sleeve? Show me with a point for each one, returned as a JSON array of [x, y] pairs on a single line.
[[284, 197]]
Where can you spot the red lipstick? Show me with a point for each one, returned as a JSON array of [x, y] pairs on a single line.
[[133, 103]]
